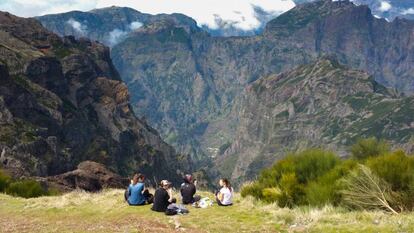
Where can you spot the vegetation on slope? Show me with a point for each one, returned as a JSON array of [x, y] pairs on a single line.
[[373, 178], [26, 188]]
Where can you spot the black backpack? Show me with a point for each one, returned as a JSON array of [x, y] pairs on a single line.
[[171, 211]]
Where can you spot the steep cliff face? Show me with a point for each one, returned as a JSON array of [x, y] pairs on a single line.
[[357, 39], [185, 82], [190, 79], [322, 104], [62, 102]]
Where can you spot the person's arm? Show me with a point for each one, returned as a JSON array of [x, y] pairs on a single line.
[[220, 196], [193, 191], [170, 195], [141, 189], [181, 189]]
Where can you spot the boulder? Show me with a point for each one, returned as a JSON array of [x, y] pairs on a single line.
[[89, 176]]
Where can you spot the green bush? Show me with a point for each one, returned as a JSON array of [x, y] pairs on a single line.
[[252, 189], [292, 190], [26, 189], [23, 188], [271, 194], [286, 181], [325, 190], [375, 179], [4, 181], [397, 169], [369, 147]]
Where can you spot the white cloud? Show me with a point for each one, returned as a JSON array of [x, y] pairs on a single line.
[[203, 11], [80, 28], [409, 11], [116, 36], [135, 25], [385, 6]]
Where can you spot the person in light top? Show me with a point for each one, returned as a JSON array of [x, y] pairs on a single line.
[[224, 197]]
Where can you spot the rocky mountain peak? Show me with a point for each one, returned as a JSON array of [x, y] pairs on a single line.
[[315, 12]]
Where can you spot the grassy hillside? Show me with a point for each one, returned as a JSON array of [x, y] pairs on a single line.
[[107, 212]]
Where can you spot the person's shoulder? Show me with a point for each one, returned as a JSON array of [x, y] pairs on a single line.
[[225, 190]]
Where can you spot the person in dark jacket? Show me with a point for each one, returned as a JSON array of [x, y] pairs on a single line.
[[163, 197], [188, 190]]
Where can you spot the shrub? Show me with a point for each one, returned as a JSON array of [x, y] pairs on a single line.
[[26, 189], [292, 190], [4, 181], [369, 147], [23, 188], [311, 164], [285, 182], [365, 190], [252, 189], [325, 190], [271, 194], [397, 169]]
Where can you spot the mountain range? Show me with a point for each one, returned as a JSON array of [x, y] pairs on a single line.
[[101, 24], [322, 74], [62, 102]]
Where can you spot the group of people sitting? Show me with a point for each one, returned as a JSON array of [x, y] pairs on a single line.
[[138, 194]]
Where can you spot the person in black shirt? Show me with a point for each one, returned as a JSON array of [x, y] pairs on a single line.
[[163, 197], [188, 190]]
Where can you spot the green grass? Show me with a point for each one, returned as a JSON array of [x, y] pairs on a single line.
[[107, 212]]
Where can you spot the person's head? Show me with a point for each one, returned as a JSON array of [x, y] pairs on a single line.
[[224, 183], [138, 177], [188, 178], [165, 184]]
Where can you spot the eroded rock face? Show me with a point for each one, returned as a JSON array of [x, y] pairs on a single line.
[[323, 104], [62, 102], [183, 82], [89, 176], [186, 82]]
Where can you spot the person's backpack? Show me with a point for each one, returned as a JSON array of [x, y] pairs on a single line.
[[171, 212], [174, 209]]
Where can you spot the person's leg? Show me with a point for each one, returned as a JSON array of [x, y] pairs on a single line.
[[219, 202], [150, 199]]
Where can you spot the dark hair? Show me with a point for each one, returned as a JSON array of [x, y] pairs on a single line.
[[139, 176], [188, 178], [226, 183]]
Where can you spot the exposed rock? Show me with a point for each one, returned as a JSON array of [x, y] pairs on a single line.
[[62, 102], [185, 82], [89, 176], [330, 103]]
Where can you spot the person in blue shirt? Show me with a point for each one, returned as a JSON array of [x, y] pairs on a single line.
[[137, 194]]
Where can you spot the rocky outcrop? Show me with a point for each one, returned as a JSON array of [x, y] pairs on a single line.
[[323, 104], [89, 176], [62, 102]]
